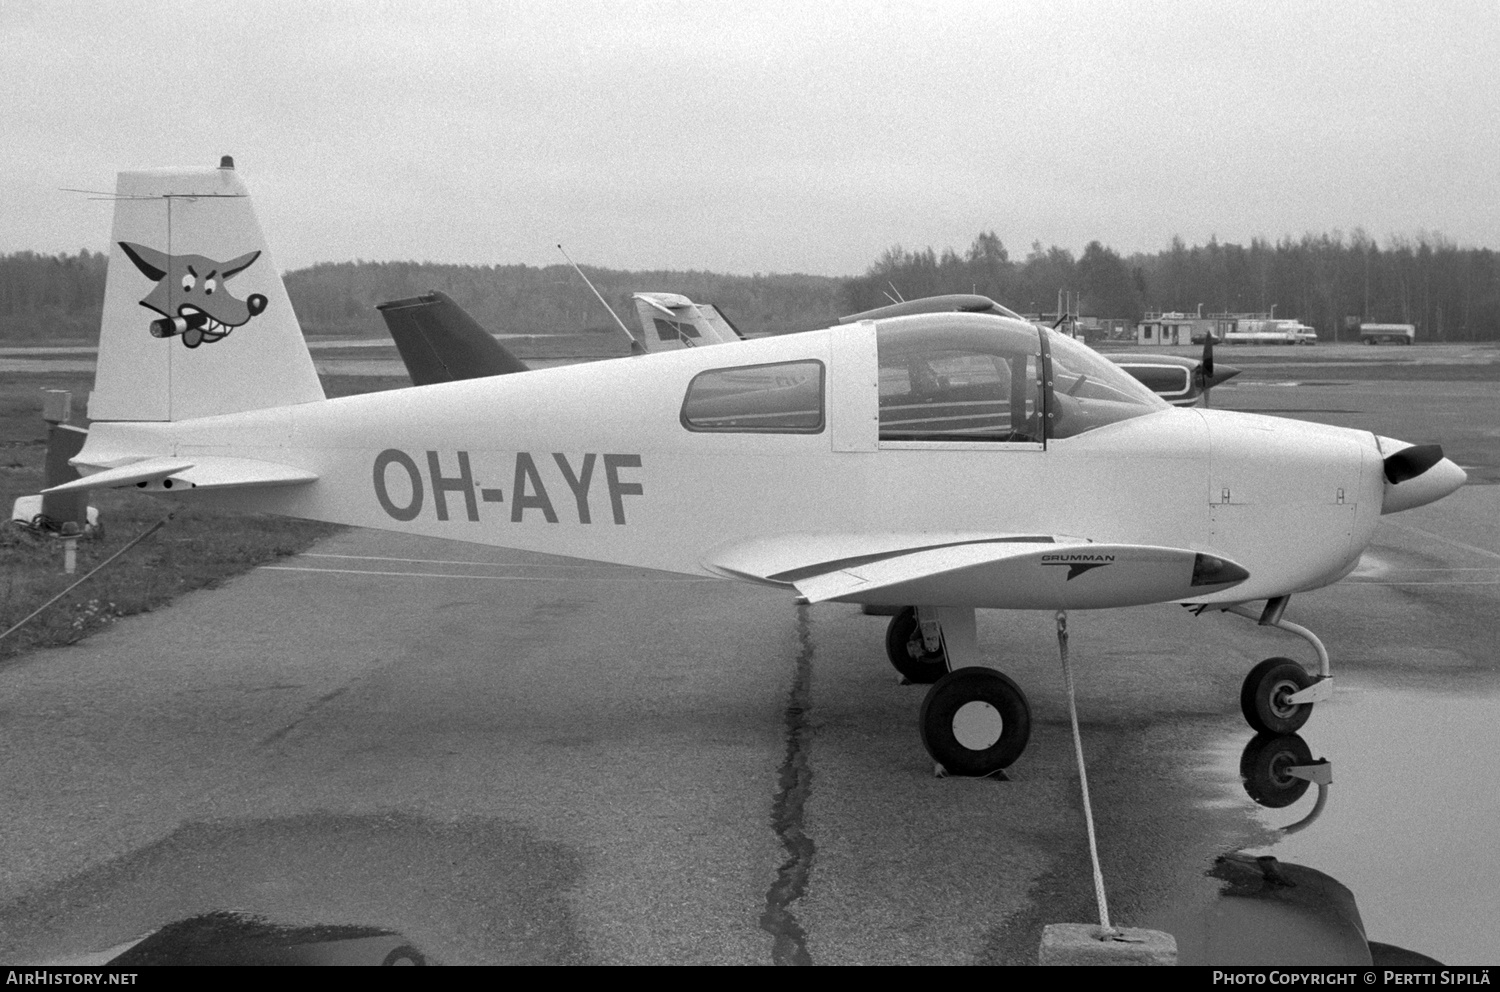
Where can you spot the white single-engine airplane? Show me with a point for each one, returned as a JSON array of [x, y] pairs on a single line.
[[939, 462]]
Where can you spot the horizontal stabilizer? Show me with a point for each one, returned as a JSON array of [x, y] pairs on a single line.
[[146, 470], [208, 472], [994, 572]]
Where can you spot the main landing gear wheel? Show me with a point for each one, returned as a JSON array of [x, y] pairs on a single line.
[[1264, 769], [975, 721], [1263, 697], [904, 647]]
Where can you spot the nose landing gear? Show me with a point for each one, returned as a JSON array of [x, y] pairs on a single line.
[[1265, 697], [1277, 696]]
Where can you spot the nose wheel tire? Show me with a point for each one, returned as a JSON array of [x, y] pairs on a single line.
[[1263, 697], [975, 722], [909, 656]]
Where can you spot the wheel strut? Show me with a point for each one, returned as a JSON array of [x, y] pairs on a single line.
[[1271, 616]]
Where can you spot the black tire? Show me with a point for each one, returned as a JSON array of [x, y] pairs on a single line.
[[1263, 769], [985, 756], [907, 653], [1263, 696]]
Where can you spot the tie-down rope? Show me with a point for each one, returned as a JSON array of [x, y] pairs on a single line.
[[1083, 779], [139, 538]]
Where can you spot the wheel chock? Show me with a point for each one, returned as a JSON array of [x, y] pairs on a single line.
[[1091, 944]]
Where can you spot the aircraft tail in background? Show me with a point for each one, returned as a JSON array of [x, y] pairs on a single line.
[[196, 319], [671, 321], [440, 342]]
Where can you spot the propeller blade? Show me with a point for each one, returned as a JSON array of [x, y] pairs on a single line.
[[1408, 463], [1208, 356]]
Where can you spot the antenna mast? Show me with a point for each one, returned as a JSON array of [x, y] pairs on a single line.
[[634, 344]]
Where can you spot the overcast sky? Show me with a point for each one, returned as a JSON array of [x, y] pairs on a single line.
[[758, 137]]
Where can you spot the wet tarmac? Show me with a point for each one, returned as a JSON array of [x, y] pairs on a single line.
[[495, 757]]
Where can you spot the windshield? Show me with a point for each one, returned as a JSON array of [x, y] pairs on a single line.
[[1089, 391]]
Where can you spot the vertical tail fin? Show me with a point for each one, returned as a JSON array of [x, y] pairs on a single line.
[[196, 319], [440, 342]]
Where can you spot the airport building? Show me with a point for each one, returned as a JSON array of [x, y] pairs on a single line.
[[1173, 327], [1161, 328]]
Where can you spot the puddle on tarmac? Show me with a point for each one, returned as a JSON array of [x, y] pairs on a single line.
[[1403, 844], [1409, 824], [380, 889]]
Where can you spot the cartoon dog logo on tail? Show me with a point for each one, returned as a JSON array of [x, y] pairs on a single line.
[[204, 309]]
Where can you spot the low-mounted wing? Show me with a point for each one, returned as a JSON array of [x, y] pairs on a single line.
[[996, 572]]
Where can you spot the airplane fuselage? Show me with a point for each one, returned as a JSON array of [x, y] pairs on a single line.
[[594, 461]]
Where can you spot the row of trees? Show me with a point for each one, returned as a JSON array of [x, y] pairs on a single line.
[[54, 297], [340, 298], [1107, 284], [51, 296], [1450, 293]]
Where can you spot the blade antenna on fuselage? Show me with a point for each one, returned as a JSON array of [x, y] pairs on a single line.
[[635, 345]]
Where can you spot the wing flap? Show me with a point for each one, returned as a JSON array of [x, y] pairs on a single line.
[[787, 558]]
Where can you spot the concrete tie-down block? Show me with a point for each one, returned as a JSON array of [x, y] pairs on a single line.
[[1090, 944]]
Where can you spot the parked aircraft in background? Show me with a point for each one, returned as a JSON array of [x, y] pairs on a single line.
[[1177, 379], [440, 342], [937, 462], [670, 321]]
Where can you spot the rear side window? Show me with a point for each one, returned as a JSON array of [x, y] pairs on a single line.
[[784, 398]]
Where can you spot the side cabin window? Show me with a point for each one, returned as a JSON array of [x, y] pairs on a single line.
[[673, 330], [783, 398], [963, 378]]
